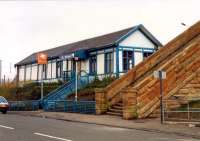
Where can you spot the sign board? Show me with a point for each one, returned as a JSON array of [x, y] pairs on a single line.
[[159, 73], [76, 58], [42, 58], [65, 57]]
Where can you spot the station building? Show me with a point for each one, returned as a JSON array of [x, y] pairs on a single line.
[[110, 54]]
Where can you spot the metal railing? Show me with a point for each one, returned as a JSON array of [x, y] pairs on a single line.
[[182, 110], [24, 105], [86, 107]]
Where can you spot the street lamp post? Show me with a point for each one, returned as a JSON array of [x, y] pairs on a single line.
[[76, 79], [42, 84], [42, 60]]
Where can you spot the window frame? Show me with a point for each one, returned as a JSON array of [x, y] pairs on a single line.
[[148, 54], [109, 62], [125, 56], [58, 69], [93, 59]]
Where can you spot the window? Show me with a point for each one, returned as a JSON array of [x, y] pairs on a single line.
[[93, 64], [39, 72], [34, 72], [44, 69], [49, 69], [28, 72], [53, 69], [58, 69], [128, 60], [147, 54], [109, 62], [21, 73]]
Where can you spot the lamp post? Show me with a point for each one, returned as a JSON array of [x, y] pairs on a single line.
[[76, 79], [42, 84], [42, 60]]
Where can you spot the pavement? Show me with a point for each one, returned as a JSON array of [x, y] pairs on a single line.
[[14, 127], [150, 125]]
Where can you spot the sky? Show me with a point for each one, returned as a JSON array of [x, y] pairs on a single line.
[[28, 26]]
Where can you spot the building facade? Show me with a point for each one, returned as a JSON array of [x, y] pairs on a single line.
[[110, 54]]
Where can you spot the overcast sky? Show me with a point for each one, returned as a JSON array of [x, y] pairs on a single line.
[[30, 26]]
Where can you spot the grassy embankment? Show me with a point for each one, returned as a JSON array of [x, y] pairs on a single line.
[[31, 91]]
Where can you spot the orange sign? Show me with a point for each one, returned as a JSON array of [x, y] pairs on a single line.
[[41, 58]]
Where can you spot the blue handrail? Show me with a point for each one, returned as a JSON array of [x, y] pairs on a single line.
[[65, 90], [70, 106]]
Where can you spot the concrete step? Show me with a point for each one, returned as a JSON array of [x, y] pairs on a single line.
[[115, 110], [119, 104], [117, 107], [114, 113]]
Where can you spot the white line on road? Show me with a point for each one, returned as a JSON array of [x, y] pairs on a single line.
[[53, 137], [7, 127]]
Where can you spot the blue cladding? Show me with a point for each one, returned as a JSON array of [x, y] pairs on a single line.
[[81, 54]]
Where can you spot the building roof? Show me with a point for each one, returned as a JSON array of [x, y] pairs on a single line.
[[103, 41]]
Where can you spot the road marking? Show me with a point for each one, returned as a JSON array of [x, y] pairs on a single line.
[[7, 127], [53, 137], [162, 139], [186, 140]]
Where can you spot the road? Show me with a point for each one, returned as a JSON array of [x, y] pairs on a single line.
[[20, 128]]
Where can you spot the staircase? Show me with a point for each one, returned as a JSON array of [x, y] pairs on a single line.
[[116, 110], [68, 88], [180, 58]]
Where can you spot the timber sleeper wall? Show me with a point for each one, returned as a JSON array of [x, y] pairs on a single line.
[[181, 67]]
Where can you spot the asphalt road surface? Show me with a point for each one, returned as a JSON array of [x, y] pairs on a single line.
[[20, 128]]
